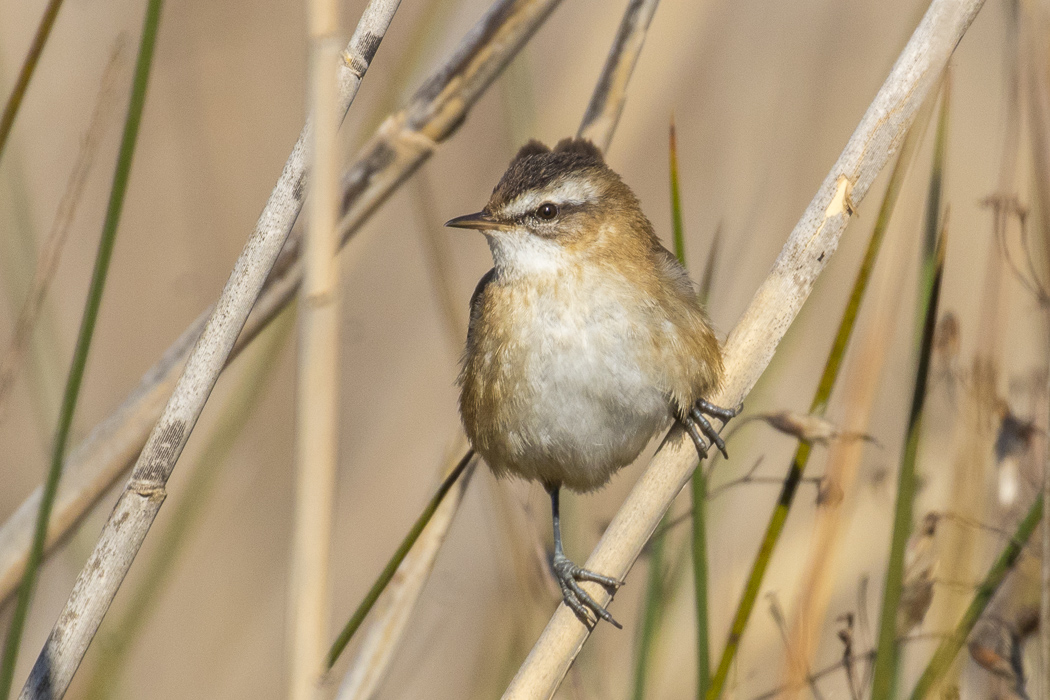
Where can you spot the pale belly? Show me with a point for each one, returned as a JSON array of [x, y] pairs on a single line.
[[576, 404]]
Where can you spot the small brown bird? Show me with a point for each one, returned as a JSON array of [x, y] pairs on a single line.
[[586, 338]]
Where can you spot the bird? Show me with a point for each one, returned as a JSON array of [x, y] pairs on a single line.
[[586, 338]]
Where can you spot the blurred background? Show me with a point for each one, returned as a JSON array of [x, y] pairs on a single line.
[[764, 96]]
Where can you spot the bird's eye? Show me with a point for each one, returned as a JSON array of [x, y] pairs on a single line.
[[547, 211]]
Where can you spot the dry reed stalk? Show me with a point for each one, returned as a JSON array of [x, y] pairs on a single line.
[[431, 117], [137, 507], [92, 468], [51, 251], [119, 636], [317, 389], [394, 608], [754, 339], [861, 383], [606, 105]]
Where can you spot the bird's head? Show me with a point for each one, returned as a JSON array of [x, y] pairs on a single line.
[[557, 207]]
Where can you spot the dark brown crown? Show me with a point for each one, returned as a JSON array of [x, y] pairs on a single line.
[[536, 166]]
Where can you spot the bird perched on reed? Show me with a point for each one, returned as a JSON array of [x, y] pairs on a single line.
[[586, 338]]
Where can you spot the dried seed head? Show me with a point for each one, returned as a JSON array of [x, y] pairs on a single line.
[[809, 428], [994, 646], [919, 568], [946, 339]]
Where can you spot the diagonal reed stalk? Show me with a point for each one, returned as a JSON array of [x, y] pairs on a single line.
[[138, 504], [944, 655], [888, 651], [932, 271], [404, 141], [753, 341], [83, 345], [818, 407], [118, 636], [14, 100], [610, 94]]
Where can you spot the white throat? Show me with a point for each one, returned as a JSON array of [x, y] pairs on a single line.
[[518, 253]]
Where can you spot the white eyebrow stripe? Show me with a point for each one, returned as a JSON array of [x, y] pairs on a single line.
[[566, 192], [575, 191]]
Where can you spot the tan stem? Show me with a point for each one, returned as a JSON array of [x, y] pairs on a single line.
[[317, 391]]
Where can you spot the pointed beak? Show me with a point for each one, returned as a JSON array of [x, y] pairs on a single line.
[[481, 221]]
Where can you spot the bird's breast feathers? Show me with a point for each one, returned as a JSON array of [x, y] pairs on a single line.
[[564, 379]]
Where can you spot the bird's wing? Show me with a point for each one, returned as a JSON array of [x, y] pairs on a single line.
[[675, 271]]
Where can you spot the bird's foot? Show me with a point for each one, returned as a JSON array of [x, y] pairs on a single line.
[[578, 600], [698, 427]]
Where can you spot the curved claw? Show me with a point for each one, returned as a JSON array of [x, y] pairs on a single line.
[[709, 430], [578, 600], [694, 434], [697, 416]]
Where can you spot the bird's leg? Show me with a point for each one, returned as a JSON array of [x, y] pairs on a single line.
[[698, 427], [568, 574]]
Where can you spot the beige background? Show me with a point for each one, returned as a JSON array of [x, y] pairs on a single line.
[[764, 94]]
